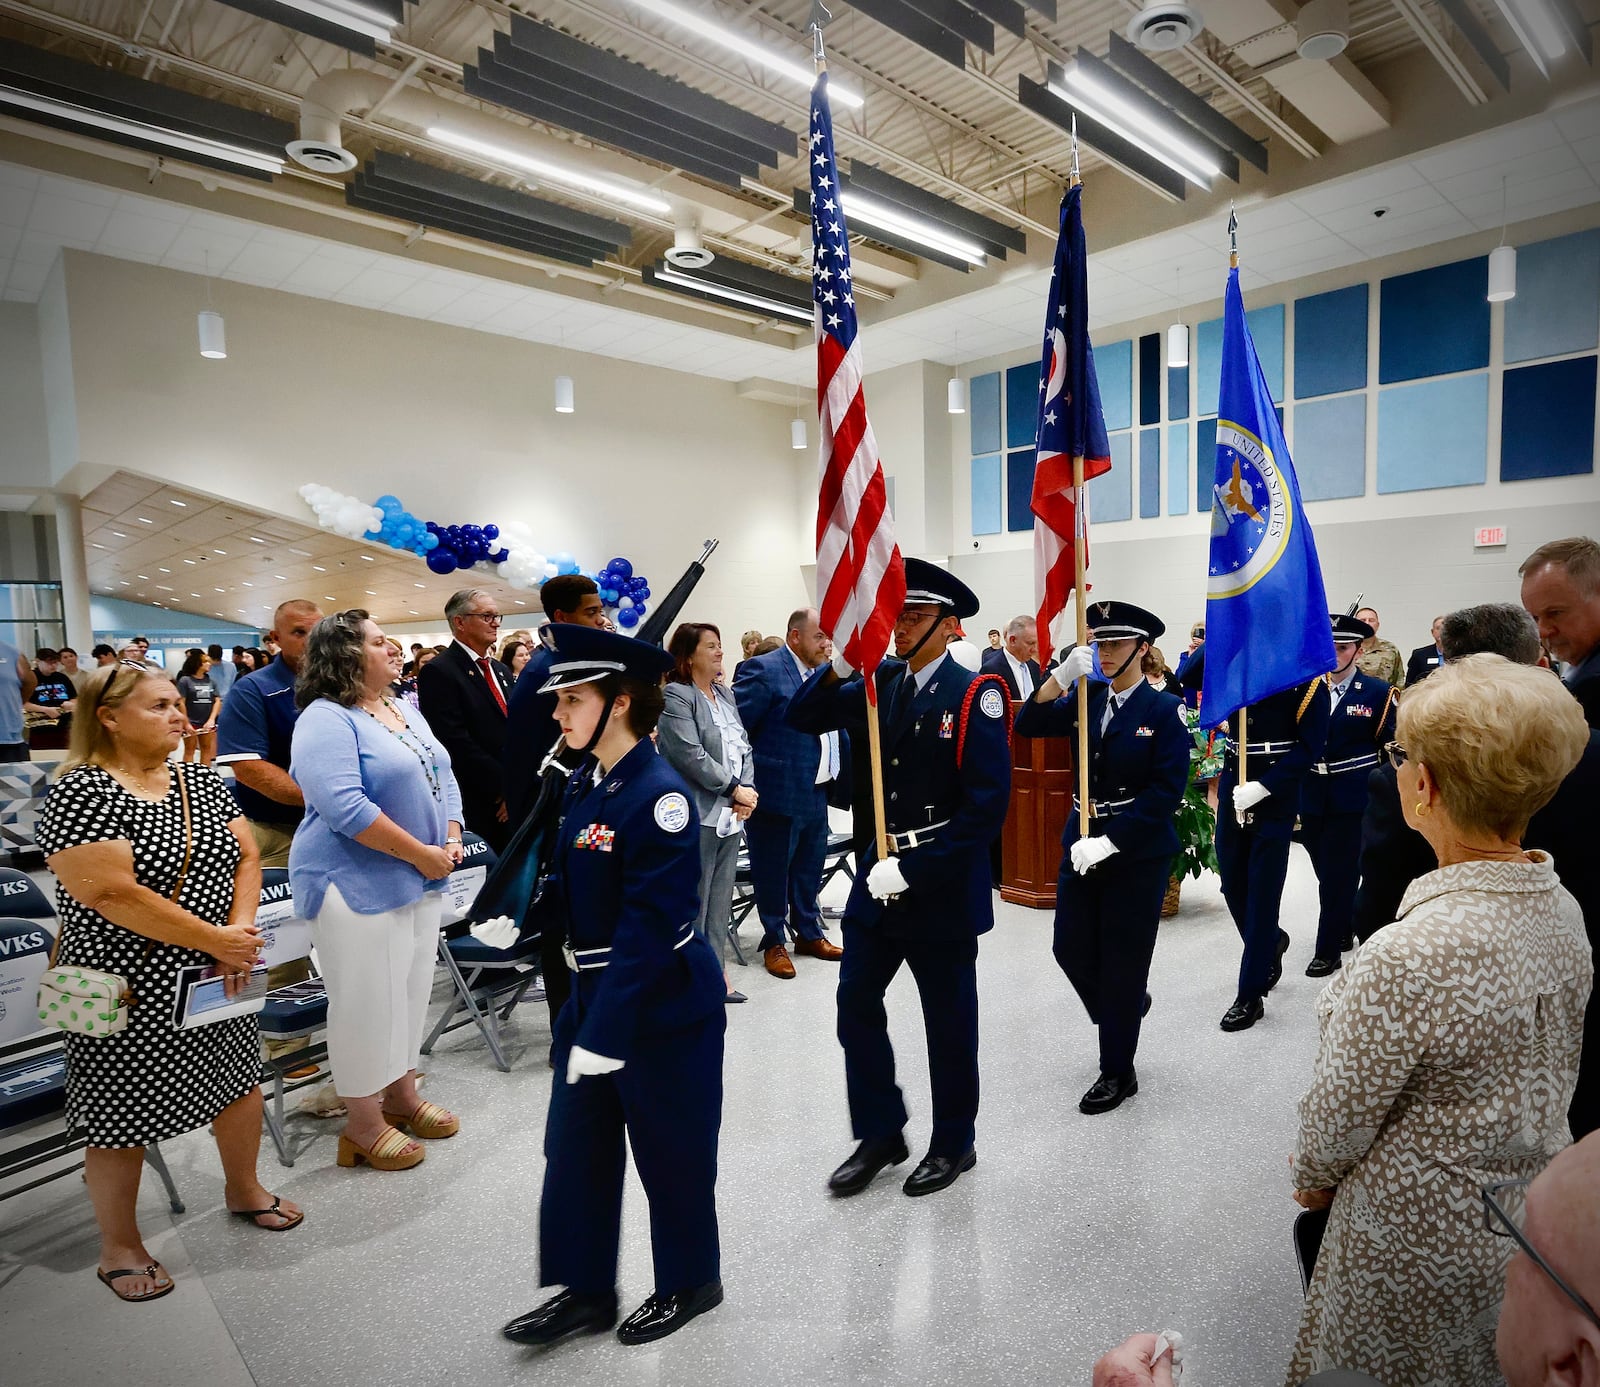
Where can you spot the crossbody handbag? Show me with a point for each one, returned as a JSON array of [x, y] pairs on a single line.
[[90, 1001]]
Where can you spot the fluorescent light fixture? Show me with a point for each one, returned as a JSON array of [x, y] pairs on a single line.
[[319, 568], [1178, 345], [734, 42], [722, 291], [254, 540], [1157, 139], [145, 520], [173, 502], [367, 558], [631, 194], [956, 396], [797, 434], [890, 219], [213, 339], [119, 534], [372, 23], [1502, 274], [564, 404], [223, 552], [139, 130], [1537, 29]]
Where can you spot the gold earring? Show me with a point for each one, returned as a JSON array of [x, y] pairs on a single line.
[[1422, 809]]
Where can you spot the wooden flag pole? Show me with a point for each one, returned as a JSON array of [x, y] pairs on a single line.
[[1244, 713], [1080, 600]]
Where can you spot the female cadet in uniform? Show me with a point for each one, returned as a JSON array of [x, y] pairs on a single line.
[[640, 1042]]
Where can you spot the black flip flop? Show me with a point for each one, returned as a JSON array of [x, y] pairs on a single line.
[[276, 1210], [152, 1271]]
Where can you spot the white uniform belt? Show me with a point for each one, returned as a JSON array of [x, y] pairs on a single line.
[[587, 960], [1265, 748], [1105, 808], [916, 836], [1350, 763]]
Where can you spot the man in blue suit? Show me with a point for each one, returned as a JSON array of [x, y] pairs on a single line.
[[1108, 899], [1334, 796], [947, 781], [788, 832]]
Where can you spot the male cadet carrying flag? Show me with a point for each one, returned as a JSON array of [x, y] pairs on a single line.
[[1268, 643]]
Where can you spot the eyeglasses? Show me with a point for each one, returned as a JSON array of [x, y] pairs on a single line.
[[1396, 754], [911, 618], [494, 618], [1501, 1221]]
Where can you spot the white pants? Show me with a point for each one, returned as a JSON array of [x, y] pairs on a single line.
[[379, 971]]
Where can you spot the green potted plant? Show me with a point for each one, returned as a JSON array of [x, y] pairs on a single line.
[[1196, 821]]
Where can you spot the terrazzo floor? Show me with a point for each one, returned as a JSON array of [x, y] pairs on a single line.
[[1071, 1233]]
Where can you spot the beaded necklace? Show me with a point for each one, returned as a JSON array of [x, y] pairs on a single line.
[[430, 766]]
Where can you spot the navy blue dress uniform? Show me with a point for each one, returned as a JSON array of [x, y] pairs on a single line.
[[647, 991], [1334, 796], [947, 783], [1288, 734], [1107, 917]]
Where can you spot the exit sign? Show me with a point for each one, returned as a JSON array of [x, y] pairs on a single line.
[[1489, 537]]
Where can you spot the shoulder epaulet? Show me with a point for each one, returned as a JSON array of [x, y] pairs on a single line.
[[1311, 692], [982, 682]]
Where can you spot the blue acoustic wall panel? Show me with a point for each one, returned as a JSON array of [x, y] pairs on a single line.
[[983, 400], [1434, 322], [1434, 434], [1330, 446], [1205, 462], [1113, 367], [1150, 378], [1547, 419], [1022, 404], [1178, 392], [1111, 495], [1330, 342], [1557, 307], [1149, 472], [986, 494], [1266, 331], [1019, 490], [1178, 469]]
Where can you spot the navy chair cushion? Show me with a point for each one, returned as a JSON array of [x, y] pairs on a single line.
[[21, 897], [32, 1088], [291, 1010], [471, 953]]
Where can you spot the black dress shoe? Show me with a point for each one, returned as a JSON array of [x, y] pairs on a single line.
[[1277, 966], [873, 1155], [662, 1315], [1320, 967], [1108, 1092], [1243, 1014], [1145, 1009], [938, 1173], [564, 1314]]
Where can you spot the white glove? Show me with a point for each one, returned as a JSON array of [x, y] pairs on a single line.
[[583, 1064], [1074, 665], [1246, 795], [1089, 852], [886, 880], [842, 667], [496, 933]]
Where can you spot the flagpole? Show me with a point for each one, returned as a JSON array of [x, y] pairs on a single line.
[[880, 816], [1080, 542], [1244, 711]]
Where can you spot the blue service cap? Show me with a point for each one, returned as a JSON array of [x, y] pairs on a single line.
[[586, 653], [1347, 628], [929, 585], [1122, 621]]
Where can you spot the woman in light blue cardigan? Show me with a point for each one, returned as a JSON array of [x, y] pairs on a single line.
[[381, 833]]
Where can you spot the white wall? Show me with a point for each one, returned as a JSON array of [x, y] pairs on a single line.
[[458, 424], [24, 435]]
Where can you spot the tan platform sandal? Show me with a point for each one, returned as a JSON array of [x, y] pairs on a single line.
[[391, 1151], [428, 1121]]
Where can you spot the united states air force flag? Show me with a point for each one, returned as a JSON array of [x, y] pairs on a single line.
[[1266, 612]]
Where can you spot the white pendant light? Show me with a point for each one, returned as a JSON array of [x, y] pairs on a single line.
[[213, 339], [797, 434], [1178, 345], [957, 395], [564, 404], [1502, 260]]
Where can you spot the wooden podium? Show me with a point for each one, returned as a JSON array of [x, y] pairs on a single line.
[[1041, 800]]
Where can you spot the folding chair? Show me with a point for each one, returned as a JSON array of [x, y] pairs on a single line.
[[836, 859], [481, 979], [301, 1009]]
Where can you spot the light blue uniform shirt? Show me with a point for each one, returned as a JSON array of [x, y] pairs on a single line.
[[11, 728], [351, 768]]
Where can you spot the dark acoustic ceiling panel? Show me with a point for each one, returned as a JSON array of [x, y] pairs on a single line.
[[325, 30], [559, 80], [1042, 101], [785, 290], [1217, 129], [914, 25], [431, 196], [945, 27], [132, 99]]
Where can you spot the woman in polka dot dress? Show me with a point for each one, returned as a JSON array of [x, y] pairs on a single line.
[[141, 897]]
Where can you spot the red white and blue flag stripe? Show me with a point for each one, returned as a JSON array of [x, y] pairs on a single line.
[[861, 581]]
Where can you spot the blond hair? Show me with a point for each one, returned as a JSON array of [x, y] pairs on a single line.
[[1498, 739], [106, 687]]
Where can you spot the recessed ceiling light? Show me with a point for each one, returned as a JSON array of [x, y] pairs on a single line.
[[329, 597], [194, 594], [419, 585], [125, 583], [162, 587], [280, 577], [191, 562], [173, 502], [369, 558], [319, 568], [219, 589], [223, 552], [163, 570], [144, 521], [241, 611], [413, 611], [371, 593], [254, 540], [119, 534], [248, 585], [303, 553], [97, 546], [521, 603]]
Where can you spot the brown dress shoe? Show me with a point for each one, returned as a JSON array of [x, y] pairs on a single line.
[[819, 948], [778, 962]]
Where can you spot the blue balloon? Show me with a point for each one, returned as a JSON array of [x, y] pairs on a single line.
[[499, 556], [491, 532], [628, 618], [432, 541], [442, 561], [387, 503], [642, 592], [373, 535], [570, 566]]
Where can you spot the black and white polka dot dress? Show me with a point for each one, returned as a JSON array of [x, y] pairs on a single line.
[[151, 1080]]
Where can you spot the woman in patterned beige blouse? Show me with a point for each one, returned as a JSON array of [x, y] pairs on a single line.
[[1449, 1046]]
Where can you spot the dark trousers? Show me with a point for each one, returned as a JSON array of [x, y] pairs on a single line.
[[946, 974], [786, 856], [1254, 863], [14, 751], [553, 963], [1105, 937], [1334, 844], [666, 1103]]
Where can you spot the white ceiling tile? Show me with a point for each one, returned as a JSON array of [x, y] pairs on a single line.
[[1371, 186], [1401, 202], [322, 276], [10, 236], [16, 201], [26, 280], [132, 235], [1382, 236], [155, 208], [377, 285], [20, 295], [37, 250], [265, 263], [79, 191], [1540, 163], [1579, 121], [1500, 146], [71, 219], [423, 299], [15, 176], [195, 248]]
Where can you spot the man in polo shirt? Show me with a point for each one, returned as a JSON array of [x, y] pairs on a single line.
[[254, 731]]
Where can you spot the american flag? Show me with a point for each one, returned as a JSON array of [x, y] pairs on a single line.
[[1070, 425], [861, 581]]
